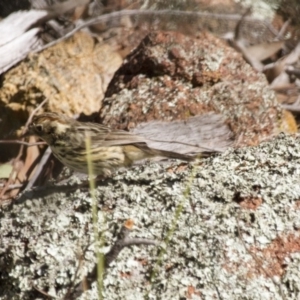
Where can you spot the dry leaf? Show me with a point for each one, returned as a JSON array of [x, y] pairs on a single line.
[[263, 51]]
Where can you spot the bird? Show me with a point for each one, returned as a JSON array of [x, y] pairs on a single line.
[[110, 149]]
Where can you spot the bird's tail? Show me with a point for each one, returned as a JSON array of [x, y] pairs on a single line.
[[176, 155]]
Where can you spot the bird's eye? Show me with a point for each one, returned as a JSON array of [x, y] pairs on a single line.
[[39, 128]]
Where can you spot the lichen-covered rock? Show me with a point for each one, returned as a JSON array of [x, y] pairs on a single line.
[[173, 76], [229, 227]]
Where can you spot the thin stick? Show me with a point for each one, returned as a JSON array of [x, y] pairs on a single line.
[[12, 186], [10, 179], [41, 164], [99, 255], [283, 29], [137, 12], [123, 241], [33, 113], [21, 143]]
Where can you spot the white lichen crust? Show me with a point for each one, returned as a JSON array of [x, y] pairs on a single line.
[[43, 240]]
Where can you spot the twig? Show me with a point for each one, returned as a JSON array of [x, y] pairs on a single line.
[[21, 143], [122, 242], [68, 294], [39, 169], [12, 186], [33, 113], [283, 29], [291, 70], [269, 66], [291, 107], [10, 179], [44, 293], [137, 12]]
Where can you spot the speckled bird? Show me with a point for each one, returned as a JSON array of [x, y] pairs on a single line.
[[110, 149]]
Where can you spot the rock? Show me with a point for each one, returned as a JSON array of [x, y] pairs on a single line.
[[234, 223], [171, 76], [69, 74]]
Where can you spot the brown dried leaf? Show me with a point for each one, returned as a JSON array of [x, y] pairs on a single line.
[[23, 172], [263, 51], [278, 71]]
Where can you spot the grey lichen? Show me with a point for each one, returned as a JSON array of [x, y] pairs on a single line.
[[210, 254]]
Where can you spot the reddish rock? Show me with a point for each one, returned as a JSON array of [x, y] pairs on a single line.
[[172, 76]]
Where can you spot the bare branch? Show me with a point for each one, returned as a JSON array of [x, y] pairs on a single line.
[[21, 143], [137, 12], [10, 179], [38, 171], [122, 242]]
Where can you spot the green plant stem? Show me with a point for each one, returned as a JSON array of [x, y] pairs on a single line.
[[172, 228], [99, 255]]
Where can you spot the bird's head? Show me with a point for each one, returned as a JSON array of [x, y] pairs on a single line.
[[49, 126]]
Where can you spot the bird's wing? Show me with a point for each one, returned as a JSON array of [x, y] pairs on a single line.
[[107, 137]]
